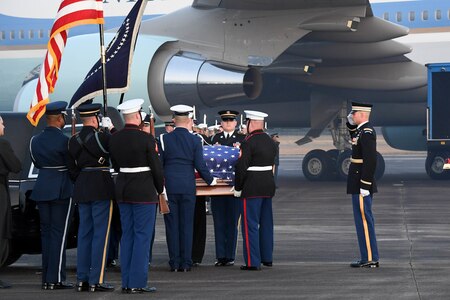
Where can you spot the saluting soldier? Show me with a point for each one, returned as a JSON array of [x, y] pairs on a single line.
[[181, 153], [361, 183], [52, 192], [140, 180], [89, 167], [254, 183], [225, 209]]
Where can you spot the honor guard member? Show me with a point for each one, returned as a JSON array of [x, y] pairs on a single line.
[[181, 153], [225, 209], [254, 183], [169, 126], [140, 180], [52, 193], [89, 167], [361, 183], [8, 163]]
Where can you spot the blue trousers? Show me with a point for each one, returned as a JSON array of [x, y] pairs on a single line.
[[137, 228], [55, 217], [153, 238], [179, 230], [93, 236], [257, 230], [365, 227], [225, 211]]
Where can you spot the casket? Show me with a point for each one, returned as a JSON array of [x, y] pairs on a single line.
[[220, 161]]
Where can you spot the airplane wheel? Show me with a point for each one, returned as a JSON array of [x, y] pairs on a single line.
[[434, 165], [381, 166], [343, 164], [8, 254], [316, 165]]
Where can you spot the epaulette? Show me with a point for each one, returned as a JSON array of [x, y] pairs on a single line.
[[368, 130]]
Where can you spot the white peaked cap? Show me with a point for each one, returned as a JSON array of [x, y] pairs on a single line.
[[202, 126], [131, 106], [183, 110], [255, 115]]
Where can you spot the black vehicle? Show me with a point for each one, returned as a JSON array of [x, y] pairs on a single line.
[[26, 237]]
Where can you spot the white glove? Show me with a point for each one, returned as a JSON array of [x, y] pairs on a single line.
[[364, 192], [107, 123], [350, 119], [237, 194], [214, 182]]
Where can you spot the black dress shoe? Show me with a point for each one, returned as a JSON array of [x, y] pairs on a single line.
[[60, 286], [125, 290], [247, 268], [104, 287], [82, 286], [267, 263], [220, 262], [141, 290], [4, 285], [44, 286], [173, 270], [228, 263], [184, 270], [365, 264]]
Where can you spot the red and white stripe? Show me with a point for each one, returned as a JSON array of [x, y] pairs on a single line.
[[70, 13]]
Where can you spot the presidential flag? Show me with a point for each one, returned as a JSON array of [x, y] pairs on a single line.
[[221, 160], [70, 13], [119, 55]]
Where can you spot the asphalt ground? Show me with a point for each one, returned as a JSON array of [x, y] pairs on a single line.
[[315, 241]]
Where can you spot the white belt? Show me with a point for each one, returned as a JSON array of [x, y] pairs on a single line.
[[135, 170], [258, 168]]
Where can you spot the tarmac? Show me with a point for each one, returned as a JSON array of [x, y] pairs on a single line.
[[315, 241]]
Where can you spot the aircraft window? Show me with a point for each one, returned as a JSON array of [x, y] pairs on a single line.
[[2, 35], [41, 33], [399, 16], [386, 16], [21, 34], [12, 35], [438, 14], [412, 16], [31, 34], [425, 15]]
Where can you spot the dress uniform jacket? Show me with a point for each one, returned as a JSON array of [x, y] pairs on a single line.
[[220, 139], [181, 152], [364, 159], [89, 165], [132, 148], [50, 155], [257, 150], [8, 163]]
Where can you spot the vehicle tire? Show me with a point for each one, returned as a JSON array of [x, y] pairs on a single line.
[[316, 165], [381, 166], [343, 164], [434, 165]]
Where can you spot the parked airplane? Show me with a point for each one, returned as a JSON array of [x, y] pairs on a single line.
[[302, 61]]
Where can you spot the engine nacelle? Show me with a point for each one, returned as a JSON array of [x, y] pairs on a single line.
[[175, 78]]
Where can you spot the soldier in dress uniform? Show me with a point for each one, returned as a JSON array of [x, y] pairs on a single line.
[[169, 126], [140, 180], [361, 183], [8, 163], [89, 167], [181, 153], [52, 192], [225, 209], [254, 183]]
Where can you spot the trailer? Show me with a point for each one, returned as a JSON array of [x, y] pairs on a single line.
[[438, 121]]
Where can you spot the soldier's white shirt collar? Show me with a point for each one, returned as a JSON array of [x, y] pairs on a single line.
[[359, 126]]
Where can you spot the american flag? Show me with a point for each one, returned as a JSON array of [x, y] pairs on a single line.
[[221, 160], [70, 13]]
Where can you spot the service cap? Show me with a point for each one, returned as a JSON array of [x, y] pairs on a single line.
[[255, 115], [130, 106], [183, 110], [202, 126], [89, 110], [361, 107], [56, 108], [228, 114]]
